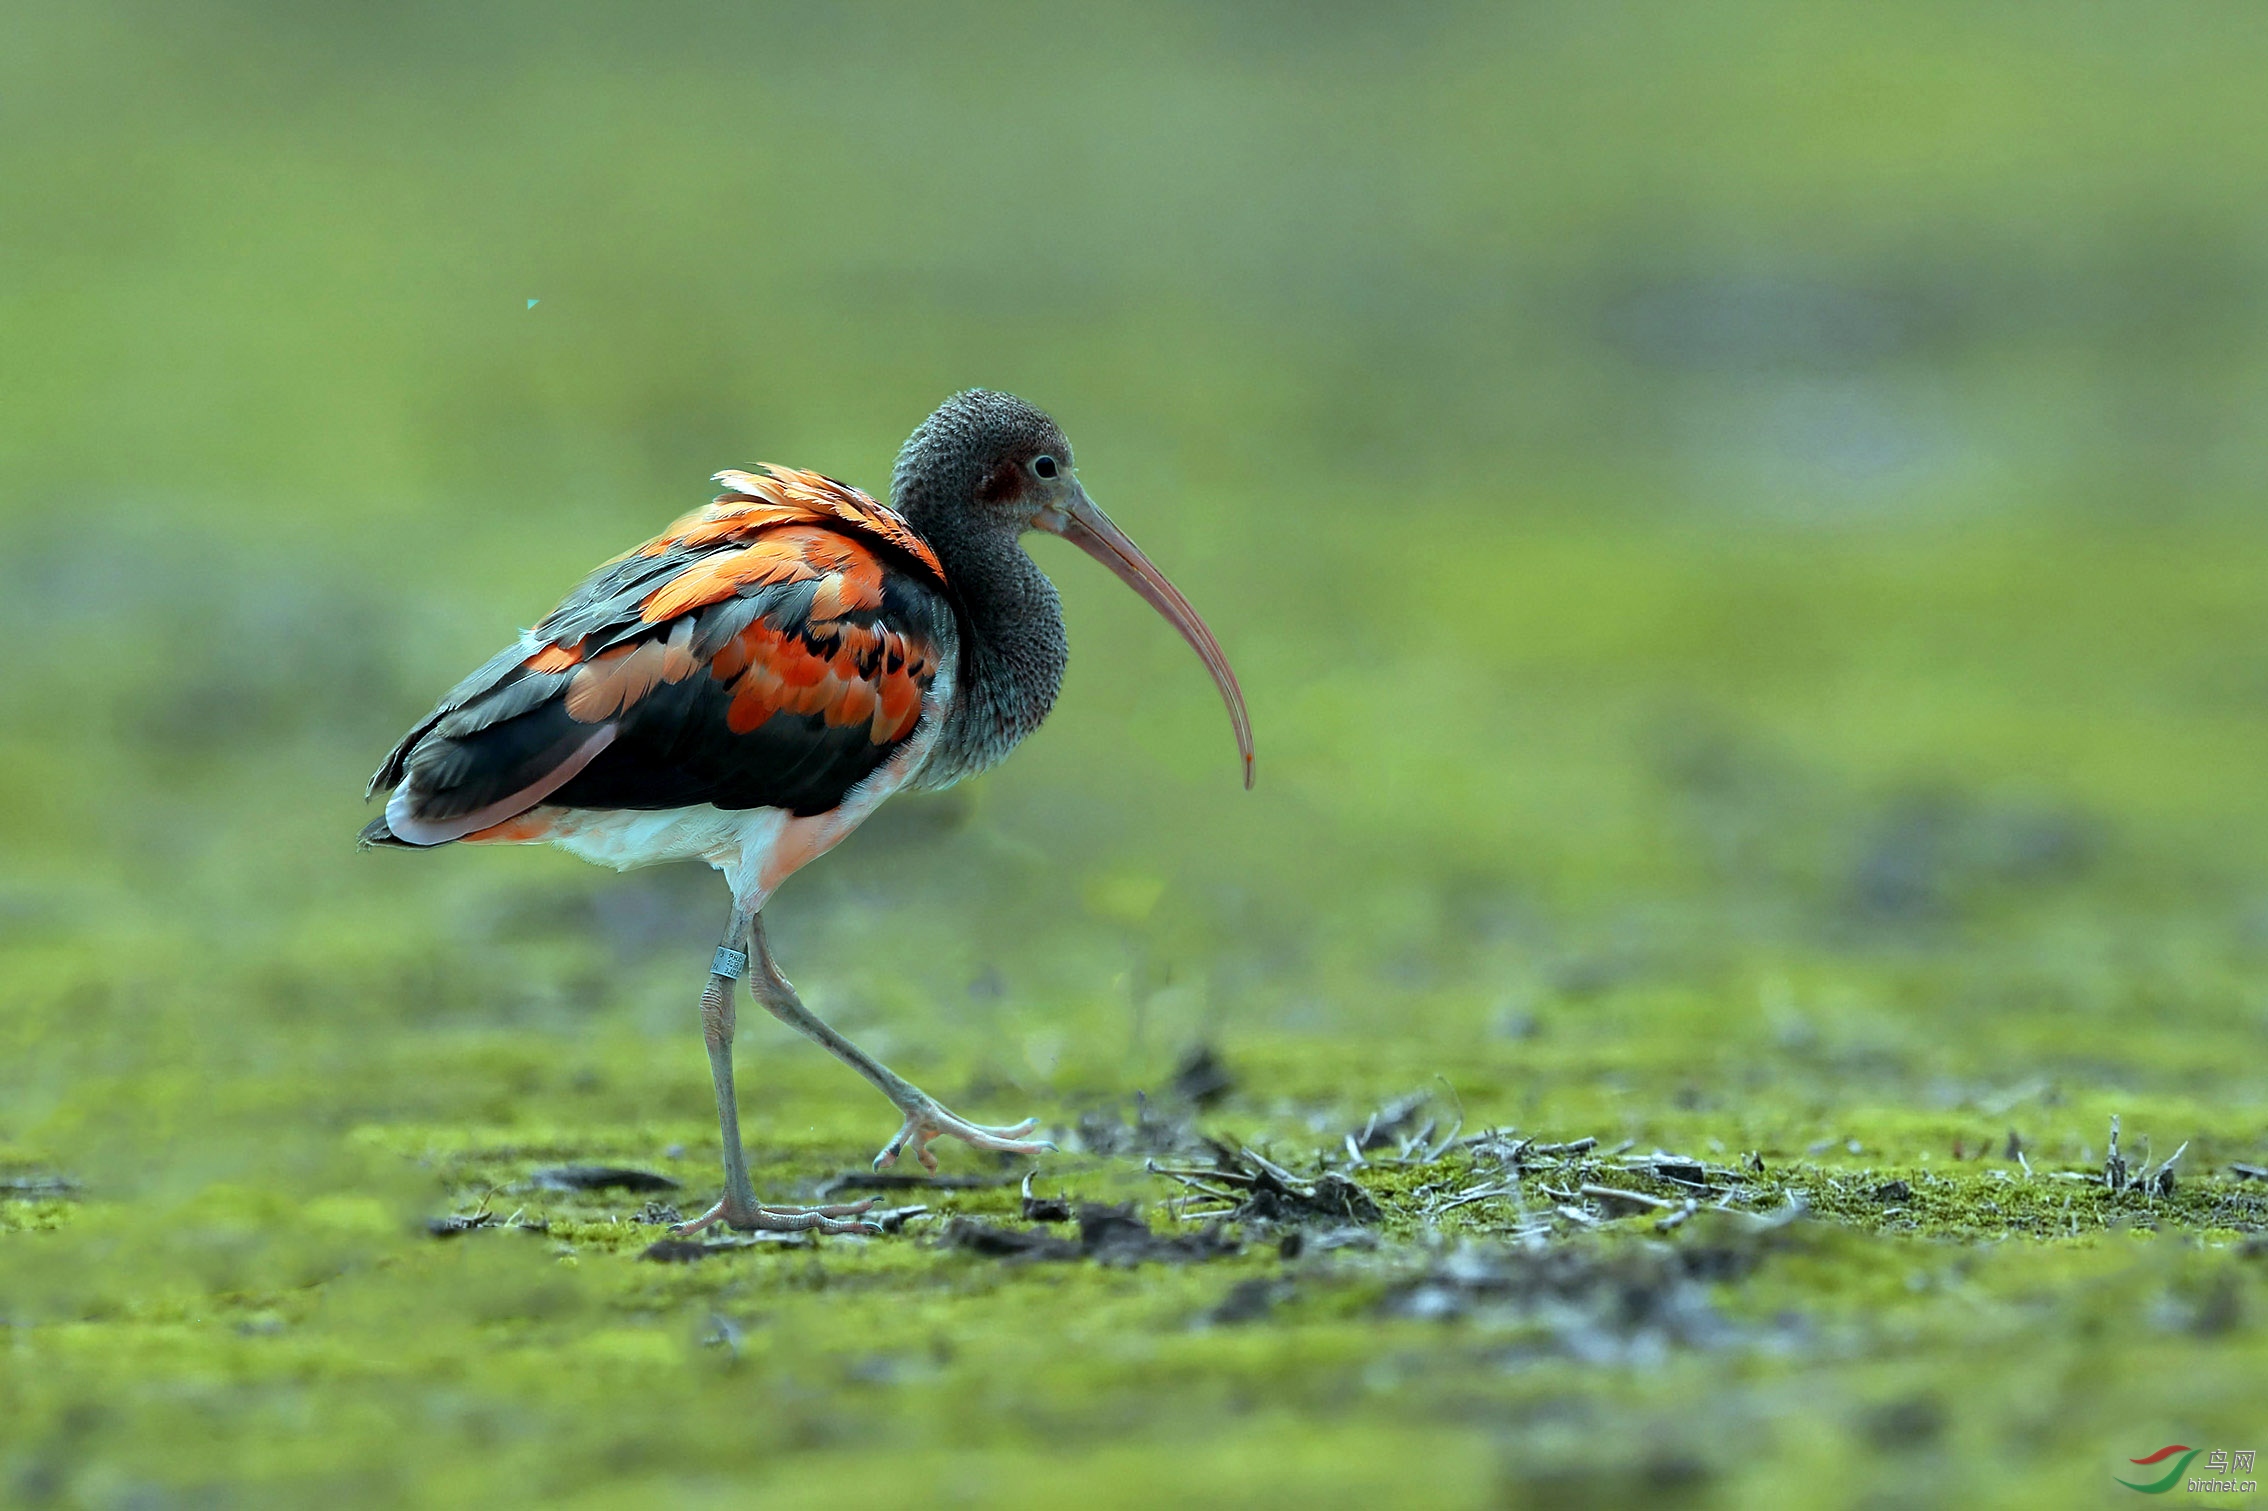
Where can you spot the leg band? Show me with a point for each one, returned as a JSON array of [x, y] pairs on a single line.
[[730, 963]]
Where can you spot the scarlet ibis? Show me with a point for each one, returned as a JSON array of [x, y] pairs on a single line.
[[746, 687]]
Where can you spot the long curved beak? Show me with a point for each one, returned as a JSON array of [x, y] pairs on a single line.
[[1088, 528]]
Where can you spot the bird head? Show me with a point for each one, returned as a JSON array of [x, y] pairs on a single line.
[[989, 463]]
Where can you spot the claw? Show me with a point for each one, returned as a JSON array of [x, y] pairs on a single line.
[[925, 1120], [769, 1219], [845, 1209]]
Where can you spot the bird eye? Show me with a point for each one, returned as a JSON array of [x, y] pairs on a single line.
[[1043, 466]]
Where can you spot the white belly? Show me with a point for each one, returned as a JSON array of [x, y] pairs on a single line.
[[626, 837], [756, 848]]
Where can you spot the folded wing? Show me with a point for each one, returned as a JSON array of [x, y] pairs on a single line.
[[770, 650]]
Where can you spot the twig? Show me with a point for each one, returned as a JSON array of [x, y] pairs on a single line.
[[2161, 1182], [1477, 1193], [1617, 1196], [1457, 1102]]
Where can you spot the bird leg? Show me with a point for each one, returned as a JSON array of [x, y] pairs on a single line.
[[925, 1119], [739, 1207]]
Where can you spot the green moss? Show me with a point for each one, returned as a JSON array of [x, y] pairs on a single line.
[[1739, 525]]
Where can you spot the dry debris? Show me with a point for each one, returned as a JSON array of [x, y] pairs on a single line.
[[1396, 1126], [456, 1224], [1243, 1185], [2158, 1182], [1620, 1202], [1044, 1208], [1570, 1183], [1111, 1235]]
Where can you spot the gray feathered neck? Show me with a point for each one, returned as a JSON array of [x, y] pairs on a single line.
[[954, 484]]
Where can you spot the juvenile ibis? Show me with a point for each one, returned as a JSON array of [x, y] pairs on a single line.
[[746, 687]]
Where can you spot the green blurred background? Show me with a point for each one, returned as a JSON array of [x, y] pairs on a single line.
[[1740, 525]]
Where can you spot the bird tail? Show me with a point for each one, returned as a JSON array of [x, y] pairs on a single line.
[[376, 834]]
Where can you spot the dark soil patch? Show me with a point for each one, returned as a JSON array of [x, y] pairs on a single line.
[[600, 1178], [1111, 1235]]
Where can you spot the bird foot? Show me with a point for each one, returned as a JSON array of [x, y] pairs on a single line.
[[755, 1217], [926, 1120]]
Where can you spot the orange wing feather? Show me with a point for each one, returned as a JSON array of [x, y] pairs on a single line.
[[817, 619], [830, 665], [784, 495]]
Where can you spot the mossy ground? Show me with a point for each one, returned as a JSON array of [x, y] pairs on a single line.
[[250, 1306], [1739, 526]]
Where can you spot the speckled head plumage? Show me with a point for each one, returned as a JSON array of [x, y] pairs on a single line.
[[978, 465], [980, 471]]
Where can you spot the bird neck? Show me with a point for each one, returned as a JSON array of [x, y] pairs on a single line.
[[1013, 652]]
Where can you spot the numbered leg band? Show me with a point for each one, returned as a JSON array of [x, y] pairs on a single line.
[[730, 964]]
